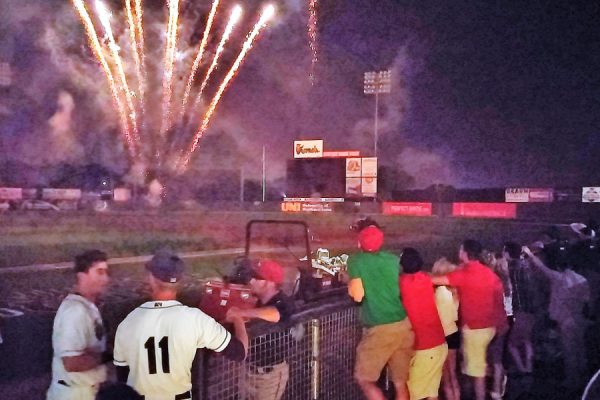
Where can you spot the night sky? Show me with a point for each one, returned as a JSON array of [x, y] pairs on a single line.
[[484, 93]]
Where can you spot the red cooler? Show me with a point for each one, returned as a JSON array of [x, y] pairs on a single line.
[[218, 297]]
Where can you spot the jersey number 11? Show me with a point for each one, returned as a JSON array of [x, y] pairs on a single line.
[[164, 354]]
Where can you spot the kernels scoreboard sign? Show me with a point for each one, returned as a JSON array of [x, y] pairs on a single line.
[[308, 148]]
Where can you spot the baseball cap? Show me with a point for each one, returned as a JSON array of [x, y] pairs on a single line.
[[370, 238], [268, 270], [166, 267]]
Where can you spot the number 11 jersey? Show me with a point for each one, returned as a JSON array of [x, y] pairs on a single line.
[[158, 342]]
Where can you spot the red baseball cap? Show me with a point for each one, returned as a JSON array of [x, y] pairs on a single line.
[[269, 270], [370, 238]]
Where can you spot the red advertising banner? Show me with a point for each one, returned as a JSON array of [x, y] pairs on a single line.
[[484, 210], [402, 208]]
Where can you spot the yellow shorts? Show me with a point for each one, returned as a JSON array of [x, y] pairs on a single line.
[[390, 344], [425, 372], [474, 346]]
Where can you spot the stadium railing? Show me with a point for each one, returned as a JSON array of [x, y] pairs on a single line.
[[319, 347]]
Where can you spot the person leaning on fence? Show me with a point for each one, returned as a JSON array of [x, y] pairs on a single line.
[[447, 303], [268, 371], [520, 339], [388, 337], [480, 291], [156, 343], [78, 335], [431, 349]]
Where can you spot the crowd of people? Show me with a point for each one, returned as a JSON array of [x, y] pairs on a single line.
[[156, 343], [478, 315]]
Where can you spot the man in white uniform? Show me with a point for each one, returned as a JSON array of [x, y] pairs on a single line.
[[156, 343], [78, 337]]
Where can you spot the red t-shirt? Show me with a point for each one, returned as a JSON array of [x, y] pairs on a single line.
[[480, 293], [416, 291]]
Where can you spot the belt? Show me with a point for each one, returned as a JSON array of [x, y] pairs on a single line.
[[182, 396], [261, 370], [264, 369]]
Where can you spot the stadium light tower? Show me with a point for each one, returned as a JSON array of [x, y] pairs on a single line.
[[377, 82]]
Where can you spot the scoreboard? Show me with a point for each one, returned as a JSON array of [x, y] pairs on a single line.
[[325, 176]]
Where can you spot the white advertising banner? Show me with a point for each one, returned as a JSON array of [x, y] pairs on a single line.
[[353, 186], [516, 195], [61, 194], [590, 194], [369, 186], [369, 166], [308, 148], [353, 167]]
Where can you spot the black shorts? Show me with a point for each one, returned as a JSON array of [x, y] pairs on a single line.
[[453, 341]]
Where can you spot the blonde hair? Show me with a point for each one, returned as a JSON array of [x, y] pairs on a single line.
[[442, 267]]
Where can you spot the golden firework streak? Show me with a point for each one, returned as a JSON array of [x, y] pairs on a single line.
[[139, 12], [312, 36], [104, 16], [233, 20], [171, 46], [266, 15], [131, 20], [198, 58], [97, 50]]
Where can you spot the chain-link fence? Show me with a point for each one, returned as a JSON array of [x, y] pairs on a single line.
[[311, 358]]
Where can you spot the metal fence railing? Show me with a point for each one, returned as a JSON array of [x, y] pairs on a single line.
[[318, 348]]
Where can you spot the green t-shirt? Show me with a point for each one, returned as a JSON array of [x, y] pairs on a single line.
[[379, 274]]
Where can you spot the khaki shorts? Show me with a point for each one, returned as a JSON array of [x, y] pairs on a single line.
[[390, 344], [425, 372], [267, 385], [475, 343]]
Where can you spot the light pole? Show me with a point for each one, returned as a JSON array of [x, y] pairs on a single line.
[[377, 82]]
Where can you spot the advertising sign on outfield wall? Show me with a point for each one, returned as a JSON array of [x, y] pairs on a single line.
[[407, 208], [484, 210], [308, 148], [529, 195], [590, 194], [7, 193], [297, 206]]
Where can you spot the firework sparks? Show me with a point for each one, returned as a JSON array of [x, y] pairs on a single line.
[[139, 12], [266, 15], [97, 50], [233, 20], [312, 36], [104, 16], [198, 58], [171, 46], [133, 35]]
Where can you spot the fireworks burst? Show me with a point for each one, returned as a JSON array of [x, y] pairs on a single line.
[[198, 58], [97, 50], [107, 52], [233, 19], [266, 15], [312, 37], [104, 16], [170, 50], [135, 47]]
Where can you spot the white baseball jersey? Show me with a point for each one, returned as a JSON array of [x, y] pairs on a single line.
[[158, 342], [77, 327]]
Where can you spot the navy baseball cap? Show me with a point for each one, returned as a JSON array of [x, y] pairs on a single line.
[[166, 267]]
